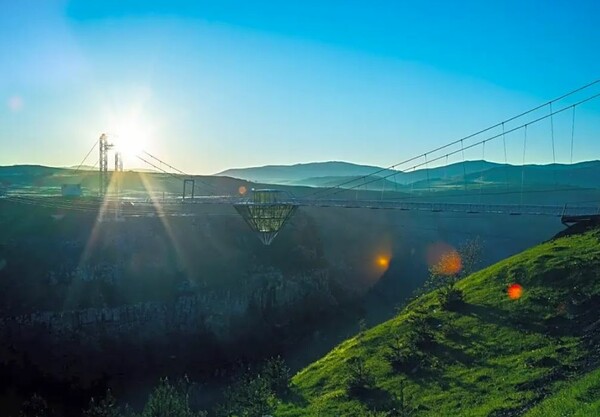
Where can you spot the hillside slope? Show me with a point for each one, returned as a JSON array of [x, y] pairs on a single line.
[[491, 356]]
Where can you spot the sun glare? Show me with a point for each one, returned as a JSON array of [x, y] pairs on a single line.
[[131, 139]]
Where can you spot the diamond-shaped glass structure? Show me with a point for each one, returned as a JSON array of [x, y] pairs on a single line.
[[266, 212]]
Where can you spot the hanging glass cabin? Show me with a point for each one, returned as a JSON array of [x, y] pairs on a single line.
[[266, 212]]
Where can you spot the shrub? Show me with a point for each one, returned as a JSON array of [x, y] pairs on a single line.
[[36, 406], [277, 374], [359, 378], [402, 354], [249, 397], [168, 401], [451, 298], [107, 407]]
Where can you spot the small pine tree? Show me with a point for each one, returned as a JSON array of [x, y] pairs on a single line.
[[360, 379], [107, 407], [248, 397], [36, 406], [168, 401], [277, 374]]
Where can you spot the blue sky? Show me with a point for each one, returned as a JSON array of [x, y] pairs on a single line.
[[214, 85]]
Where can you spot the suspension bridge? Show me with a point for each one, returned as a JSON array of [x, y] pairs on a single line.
[[267, 210]]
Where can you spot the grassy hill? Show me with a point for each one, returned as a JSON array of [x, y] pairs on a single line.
[[489, 356], [578, 399]]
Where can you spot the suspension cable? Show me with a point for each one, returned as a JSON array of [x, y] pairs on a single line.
[[479, 142], [326, 190], [87, 155], [523, 164], [572, 133]]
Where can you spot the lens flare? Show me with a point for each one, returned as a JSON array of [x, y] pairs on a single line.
[[449, 264], [514, 291], [383, 261], [242, 190], [15, 103]]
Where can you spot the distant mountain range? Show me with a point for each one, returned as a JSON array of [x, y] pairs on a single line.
[[299, 173], [328, 174], [471, 175]]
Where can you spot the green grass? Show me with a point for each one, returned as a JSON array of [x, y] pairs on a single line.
[[578, 399], [492, 356]]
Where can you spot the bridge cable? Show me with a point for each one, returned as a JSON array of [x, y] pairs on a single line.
[[87, 155], [481, 178], [462, 149], [477, 143], [572, 134], [553, 148], [523, 164], [427, 171], [505, 156], [456, 141], [178, 170]]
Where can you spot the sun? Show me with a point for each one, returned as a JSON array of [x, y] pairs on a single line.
[[131, 139]]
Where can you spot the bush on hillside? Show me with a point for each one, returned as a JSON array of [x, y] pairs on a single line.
[[360, 379], [402, 354], [171, 401], [278, 375], [36, 406], [106, 407], [248, 397], [451, 298]]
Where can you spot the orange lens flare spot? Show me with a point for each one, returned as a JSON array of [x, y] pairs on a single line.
[[514, 291], [242, 190], [449, 264], [382, 261]]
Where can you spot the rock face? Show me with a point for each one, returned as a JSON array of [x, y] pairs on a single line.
[[219, 312]]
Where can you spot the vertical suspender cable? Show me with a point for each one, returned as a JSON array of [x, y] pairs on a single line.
[[553, 148], [572, 133], [481, 179], [552, 134], [523, 164], [427, 172], [462, 148], [505, 156]]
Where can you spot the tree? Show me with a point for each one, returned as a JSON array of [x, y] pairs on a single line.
[[169, 401], [36, 406], [248, 397], [277, 374], [107, 407], [360, 379], [451, 267]]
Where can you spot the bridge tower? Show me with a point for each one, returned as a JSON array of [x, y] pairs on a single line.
[[104, 147]]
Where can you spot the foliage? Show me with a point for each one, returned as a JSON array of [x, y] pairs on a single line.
[[452, 267], [36, 406], [170, 401], [277, 374], [495, 356], [257, 394], [580, 399], [106, 407], [402, 353], [248, 397], [450, 298], [359, 379]]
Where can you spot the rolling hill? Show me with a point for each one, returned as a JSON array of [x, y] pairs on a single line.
[[492, 355], [291, 174], [328, 174]]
